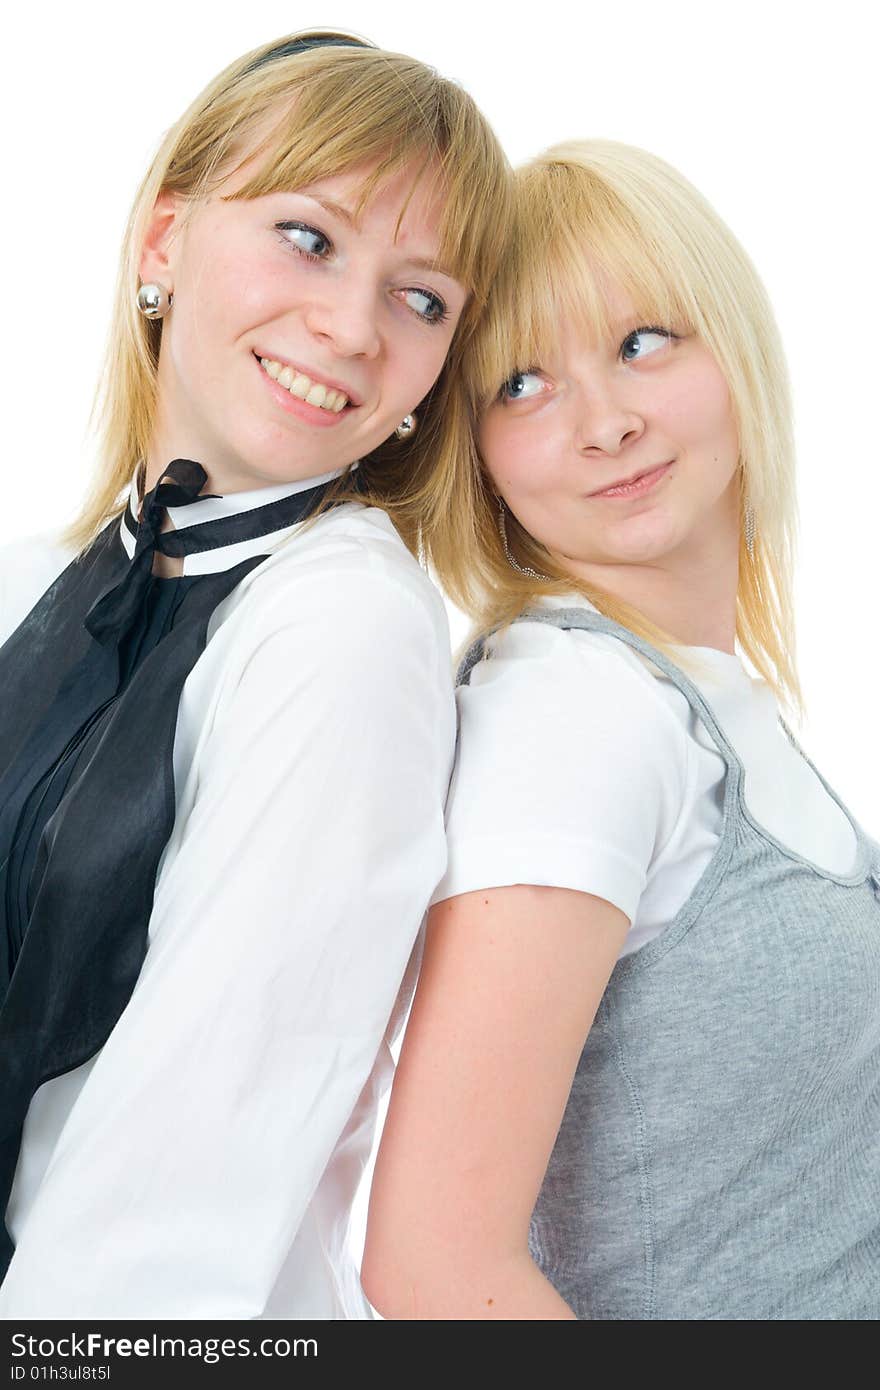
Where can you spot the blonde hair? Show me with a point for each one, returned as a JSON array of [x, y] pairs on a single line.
[[586, 213], [308, 116]]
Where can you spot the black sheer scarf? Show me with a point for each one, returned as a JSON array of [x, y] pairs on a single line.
[[70, 960]]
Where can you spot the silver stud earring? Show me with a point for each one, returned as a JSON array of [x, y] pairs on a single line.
[[154, 300], [749, 528], [408, 426], [511, 559]]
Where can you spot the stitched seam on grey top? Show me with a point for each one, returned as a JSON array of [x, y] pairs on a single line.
[[641, 1143]]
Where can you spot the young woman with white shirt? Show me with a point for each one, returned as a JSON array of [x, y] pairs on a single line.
[[641, 1077], [227, 711]]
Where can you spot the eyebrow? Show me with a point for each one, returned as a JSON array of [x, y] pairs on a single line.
[[637, 316], [433, 267], [337, 209], [347, 216]]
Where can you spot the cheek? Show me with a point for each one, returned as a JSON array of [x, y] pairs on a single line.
[[493, 445], [231, 283], [698, 412], [233, 295], [512, 454], [414, 355]]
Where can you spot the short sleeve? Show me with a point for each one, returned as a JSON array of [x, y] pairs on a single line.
[[570, 771]]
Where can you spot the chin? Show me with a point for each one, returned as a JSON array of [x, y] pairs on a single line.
[[276, 461], [645, 541]]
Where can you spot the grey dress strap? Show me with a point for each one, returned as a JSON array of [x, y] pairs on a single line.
[[597, 622]]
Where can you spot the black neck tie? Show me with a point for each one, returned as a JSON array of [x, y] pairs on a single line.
[[113, 614]]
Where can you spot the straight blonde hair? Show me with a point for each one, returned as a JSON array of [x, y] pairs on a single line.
[[589, 212], [306, 116]]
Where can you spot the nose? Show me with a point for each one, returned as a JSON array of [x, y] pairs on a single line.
[[606, 423], [343, 315]]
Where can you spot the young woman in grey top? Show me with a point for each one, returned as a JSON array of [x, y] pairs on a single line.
[[642, 1074]]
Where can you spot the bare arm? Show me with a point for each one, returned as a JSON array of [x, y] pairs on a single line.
[[510, 983]]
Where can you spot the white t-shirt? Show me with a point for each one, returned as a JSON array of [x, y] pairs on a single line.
[[203, 1164], [581, 766]]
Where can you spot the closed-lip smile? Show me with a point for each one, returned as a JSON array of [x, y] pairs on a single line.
[[636, 483]]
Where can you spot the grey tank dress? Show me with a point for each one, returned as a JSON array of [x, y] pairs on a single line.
[[719, 1155]]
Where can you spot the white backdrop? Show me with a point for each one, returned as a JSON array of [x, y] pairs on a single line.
[[767, 106]]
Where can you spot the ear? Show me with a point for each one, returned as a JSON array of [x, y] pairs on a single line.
[[158, 249]]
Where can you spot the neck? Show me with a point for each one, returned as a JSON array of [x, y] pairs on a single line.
[[178, 433], [219, 480], [175, 436], [224, 482], [691, 595]]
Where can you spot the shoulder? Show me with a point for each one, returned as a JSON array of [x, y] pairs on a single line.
[[570, 770], [345, 548], [27, 568], [347, 581], [554, 684]]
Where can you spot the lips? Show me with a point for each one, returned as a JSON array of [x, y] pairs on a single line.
[[643, 476], [302, 381]]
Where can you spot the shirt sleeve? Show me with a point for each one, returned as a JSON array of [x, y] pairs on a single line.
[[27, 568], [570, 770], [286, 911]]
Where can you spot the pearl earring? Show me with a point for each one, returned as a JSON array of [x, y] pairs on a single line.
[[408, 426], [154, 300]]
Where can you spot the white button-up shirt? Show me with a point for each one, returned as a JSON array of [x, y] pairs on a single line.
[[204, 1162]]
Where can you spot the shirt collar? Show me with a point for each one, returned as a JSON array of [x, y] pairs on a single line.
[[215, 509]]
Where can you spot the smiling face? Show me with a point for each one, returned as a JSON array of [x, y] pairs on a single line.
[[302, 331], [618, 452]]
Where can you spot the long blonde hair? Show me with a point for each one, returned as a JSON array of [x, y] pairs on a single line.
[[592, 210], [308, 116]]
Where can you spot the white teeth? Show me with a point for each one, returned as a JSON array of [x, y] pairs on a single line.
[[302, 386]]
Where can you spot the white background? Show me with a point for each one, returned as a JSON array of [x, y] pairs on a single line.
[[767, 107]]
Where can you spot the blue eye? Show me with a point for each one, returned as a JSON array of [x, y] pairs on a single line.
[[521, 386], [308, 241], [426, 304], [643, 342]]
